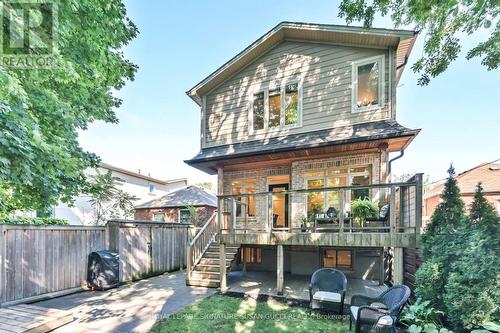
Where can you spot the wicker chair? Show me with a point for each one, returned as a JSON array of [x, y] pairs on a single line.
[[327, 290], [381, 312]]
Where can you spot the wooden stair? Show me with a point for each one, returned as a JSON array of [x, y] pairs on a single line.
[[206, 272]]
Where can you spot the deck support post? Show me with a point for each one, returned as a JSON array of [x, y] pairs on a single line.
[[280, 269], [222, 267], [397, 264], [244, 270]]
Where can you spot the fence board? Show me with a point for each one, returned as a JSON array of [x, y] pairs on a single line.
[[43, 260]]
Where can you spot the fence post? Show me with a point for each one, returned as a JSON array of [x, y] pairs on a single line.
[[3, 252], [113, 230]]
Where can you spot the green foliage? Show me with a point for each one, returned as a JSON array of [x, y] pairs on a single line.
[[205, 185], [34, 220], [460, 276], [363, 208], [194, 216], [107, 200], [421, 313], [442, 22], [42, 110]]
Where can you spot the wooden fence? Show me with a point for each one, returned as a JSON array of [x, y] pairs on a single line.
[[411, 263], [37, 262]]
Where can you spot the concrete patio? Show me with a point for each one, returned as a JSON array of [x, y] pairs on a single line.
[[255, 283], [133, 307]]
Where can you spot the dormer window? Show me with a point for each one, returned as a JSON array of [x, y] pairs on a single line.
[[276, 107], [367, 79]]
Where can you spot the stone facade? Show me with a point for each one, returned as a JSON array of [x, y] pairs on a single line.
[[172, 213], [296, 172]]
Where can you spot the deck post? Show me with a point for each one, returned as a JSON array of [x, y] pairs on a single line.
[[341, 212], [418, 202], [222, 267], [279, 269], [397, 264], [188, 261], [220, 191], [244, 270], [392, 209]]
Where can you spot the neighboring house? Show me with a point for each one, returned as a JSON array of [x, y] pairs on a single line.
[[298, 126], [143, 187], [487, 173], [178, 206]]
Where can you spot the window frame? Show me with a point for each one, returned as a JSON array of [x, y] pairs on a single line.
[[245, 184], [266, 89], [381, 79], [337, 250], [257, 255], [179, 214], [158, 213], [349, 175]]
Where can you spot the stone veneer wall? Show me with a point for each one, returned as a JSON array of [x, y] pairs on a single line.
[[298, 201], [260, 176]]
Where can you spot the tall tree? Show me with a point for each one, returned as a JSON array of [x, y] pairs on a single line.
[[440, 244], [472, 290], [442, 22], [42, 110]]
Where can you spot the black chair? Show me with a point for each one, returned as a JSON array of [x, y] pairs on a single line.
[[384, 214], [327, 290], [381, 312]]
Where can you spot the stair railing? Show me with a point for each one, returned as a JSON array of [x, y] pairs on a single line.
[[200, 243]]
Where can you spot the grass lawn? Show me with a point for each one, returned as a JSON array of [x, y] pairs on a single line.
[[221, 314]]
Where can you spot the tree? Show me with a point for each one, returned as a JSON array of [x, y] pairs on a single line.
[[205, 185], [108, 201], [442, 244], [442, 22], [42, 110], [472, 291]]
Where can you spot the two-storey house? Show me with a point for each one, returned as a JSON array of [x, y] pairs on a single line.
[[298, 127]]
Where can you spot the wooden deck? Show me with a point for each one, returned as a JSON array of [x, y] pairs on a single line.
[[255, 283], [32, 319]]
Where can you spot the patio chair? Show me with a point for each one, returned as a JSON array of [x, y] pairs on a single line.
[[327, 290], [381, 312], [383, 216]]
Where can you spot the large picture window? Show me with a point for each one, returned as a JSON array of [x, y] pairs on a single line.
[[276, 107], [367, 84], [320, 202]]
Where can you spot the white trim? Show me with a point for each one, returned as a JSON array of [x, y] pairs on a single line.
[[265, 89], [381, 80], [389, 88], [204, 122]]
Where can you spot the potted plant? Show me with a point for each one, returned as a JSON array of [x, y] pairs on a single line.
[[305, 222], [363, 208]]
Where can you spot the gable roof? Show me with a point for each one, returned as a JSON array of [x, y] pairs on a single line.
[[141, 176], [189, 196], [403, 40], [487, 173]]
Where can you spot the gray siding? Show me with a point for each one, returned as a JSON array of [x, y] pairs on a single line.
[[326, 74]]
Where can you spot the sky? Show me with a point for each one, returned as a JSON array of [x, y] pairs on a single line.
[[181, 42]]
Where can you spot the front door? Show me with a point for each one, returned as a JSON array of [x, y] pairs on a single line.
[[280, 205]]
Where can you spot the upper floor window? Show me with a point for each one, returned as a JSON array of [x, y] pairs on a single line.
[[367, 82], [278, 107]]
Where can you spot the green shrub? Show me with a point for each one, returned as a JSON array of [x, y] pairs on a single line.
[[34, 221], [430, 283], [363, 208], [421, 313]]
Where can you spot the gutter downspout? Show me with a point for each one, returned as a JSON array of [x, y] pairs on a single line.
[[389, 167]]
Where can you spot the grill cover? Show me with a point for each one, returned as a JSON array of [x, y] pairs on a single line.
[[103, 270]]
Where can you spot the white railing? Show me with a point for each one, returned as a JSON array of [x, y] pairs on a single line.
[[201, 242]]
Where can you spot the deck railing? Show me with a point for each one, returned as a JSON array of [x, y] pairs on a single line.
[[256, 212], [200, 243]]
